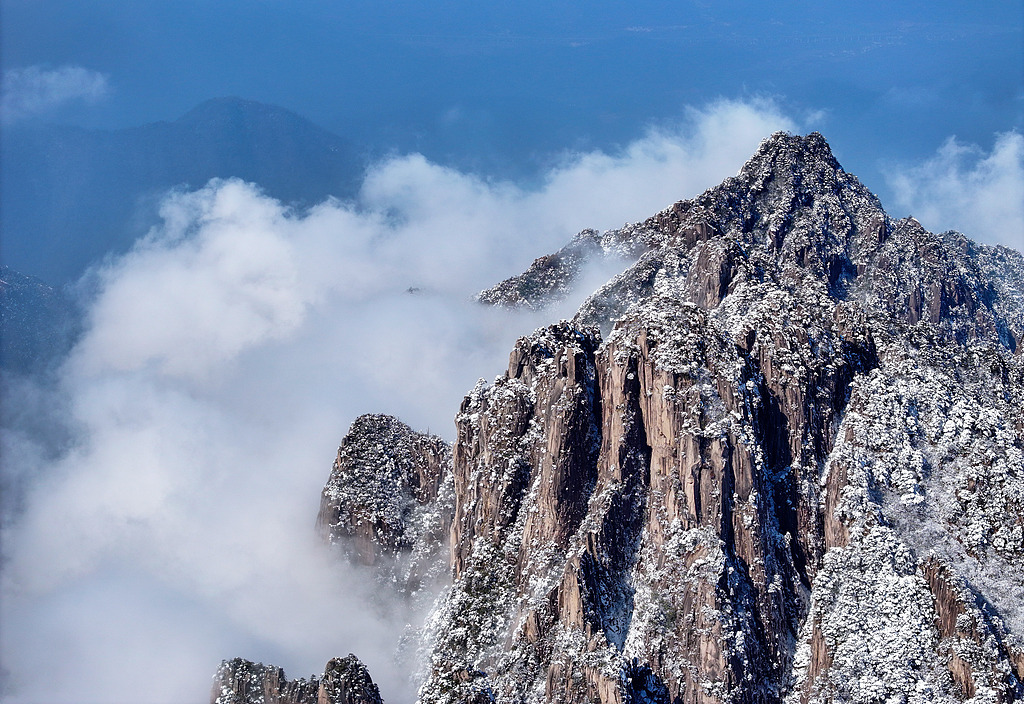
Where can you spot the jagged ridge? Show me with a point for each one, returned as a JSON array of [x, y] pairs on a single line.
[[779, 458], [345, 681]]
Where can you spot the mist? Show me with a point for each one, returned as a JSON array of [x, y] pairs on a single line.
[[965, 187], [34, 90]]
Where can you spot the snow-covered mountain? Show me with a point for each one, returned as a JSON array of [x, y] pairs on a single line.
[[778, 458]]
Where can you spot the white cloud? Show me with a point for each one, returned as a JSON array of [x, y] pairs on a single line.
[[963, 187], [668, 163], [35, 90], [195, 299], [225, 357]]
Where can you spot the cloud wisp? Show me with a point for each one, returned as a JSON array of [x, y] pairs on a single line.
[[36, 90], [963, 187]]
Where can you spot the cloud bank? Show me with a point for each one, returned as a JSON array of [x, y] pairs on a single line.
[[963, 187], [35, 90]]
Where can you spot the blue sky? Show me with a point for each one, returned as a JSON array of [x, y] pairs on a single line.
[[499, 87]]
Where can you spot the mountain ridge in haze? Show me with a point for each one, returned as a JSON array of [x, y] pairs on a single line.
[[73, 195]]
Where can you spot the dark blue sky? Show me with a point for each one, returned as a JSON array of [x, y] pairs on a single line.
[[500, 86]]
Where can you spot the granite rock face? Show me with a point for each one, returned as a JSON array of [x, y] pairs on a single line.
[[383, 504], [789, 470], [778, 458], [241, 681]]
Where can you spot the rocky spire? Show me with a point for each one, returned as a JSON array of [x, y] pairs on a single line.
[[344, 681], [380, 505]]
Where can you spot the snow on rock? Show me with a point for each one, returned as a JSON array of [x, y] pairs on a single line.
[[808, 480], [345, 681], [778, 458], [241, 681], [388, 500]]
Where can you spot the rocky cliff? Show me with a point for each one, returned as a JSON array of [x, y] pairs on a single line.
[[345, 681], [388, 501], [780, 457]]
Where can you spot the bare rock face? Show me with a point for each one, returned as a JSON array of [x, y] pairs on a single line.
[[790, 470]]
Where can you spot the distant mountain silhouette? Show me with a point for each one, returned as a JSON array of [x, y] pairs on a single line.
[[71, 195]]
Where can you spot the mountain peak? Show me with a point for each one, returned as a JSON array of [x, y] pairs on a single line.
[[791, 216], [791, 207], [786, 399], [784, 152], [782, 141], [790, 197], [235, 110], [797, 435]]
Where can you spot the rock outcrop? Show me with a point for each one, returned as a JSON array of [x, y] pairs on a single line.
[[779, 458], [241, 681], [345, 681], [383, 504]]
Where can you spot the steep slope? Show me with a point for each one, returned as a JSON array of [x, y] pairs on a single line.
[[779, 458], [791, 471], [386, 504]]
